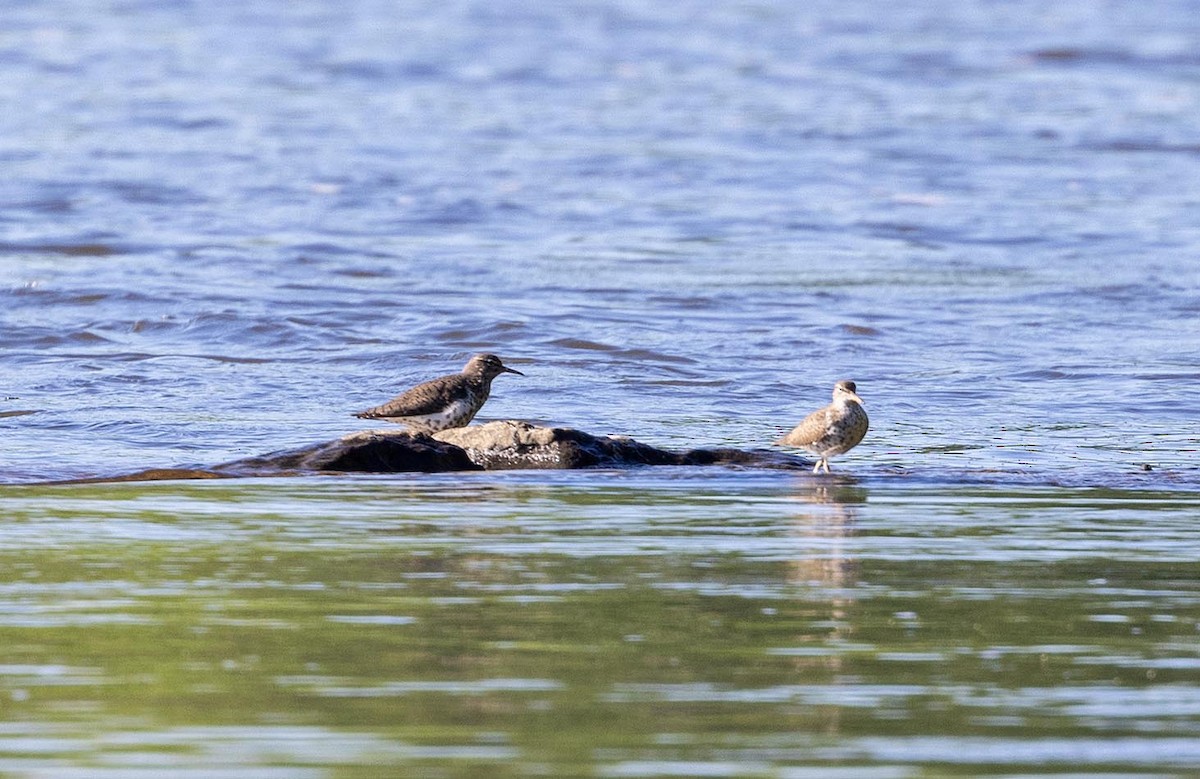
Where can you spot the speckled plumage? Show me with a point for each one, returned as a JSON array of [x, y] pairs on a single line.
[[445, 402], [833, 430]]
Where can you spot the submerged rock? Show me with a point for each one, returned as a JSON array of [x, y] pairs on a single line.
[[150, 474]]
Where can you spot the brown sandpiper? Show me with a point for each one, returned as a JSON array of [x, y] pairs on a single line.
[[833, 430], [445, 402]]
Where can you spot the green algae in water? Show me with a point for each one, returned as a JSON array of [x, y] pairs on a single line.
[[603, 625]]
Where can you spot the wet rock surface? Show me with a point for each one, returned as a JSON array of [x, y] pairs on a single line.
[[504, 445], [519, 445], [365, 452]]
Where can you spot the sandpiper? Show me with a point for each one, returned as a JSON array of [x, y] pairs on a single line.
[[833, 430], [449, 401]]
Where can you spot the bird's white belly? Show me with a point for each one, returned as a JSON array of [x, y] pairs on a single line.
[[449, 416]]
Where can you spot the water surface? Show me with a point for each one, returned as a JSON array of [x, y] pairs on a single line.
[[224, 228], [616, 625]]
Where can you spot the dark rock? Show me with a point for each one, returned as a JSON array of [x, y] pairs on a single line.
[[512, 445], [749, 458], [367, 452], [507, 445]]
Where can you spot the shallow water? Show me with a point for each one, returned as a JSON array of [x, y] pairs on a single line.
[[224, 229], [616, 624]]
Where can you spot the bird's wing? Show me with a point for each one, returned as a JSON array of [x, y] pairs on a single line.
[[428, 398], [814, 427]]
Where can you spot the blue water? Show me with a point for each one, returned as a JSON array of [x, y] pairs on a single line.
[[225, 227]]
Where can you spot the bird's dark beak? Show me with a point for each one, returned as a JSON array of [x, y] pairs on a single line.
[[512, 370]]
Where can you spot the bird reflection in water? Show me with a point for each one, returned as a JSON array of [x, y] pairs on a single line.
[[823, 574], [822, 527]]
